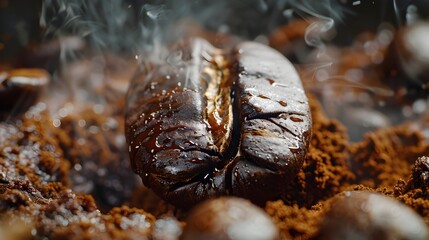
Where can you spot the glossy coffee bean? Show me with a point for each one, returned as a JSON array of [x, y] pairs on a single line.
[[20, 88], [229, 218], [364, 215], [212, 122], [406, 65]]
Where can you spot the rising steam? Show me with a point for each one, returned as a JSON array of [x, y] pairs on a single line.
[[139, 26]]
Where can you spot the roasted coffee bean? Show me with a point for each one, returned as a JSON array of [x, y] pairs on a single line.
[[19, 88], [364, 215], [211, 122], [406, 64], [229, 218], [413, 51]]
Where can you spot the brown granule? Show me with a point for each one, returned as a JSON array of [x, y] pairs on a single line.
[[119, 223], [34, 192], [94, 143], [90, 128], [294, 222], [84, 126], [385, 156], [29, 153]]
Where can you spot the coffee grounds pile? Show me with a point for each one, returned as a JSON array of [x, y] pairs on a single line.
[[36, 190]]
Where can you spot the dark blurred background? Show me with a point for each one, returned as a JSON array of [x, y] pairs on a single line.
[[125, 26]]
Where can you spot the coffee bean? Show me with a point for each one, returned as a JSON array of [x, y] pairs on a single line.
[[229, 218], [20, 88], [407, 63], [214, 122], [364, 215], [413, 52]]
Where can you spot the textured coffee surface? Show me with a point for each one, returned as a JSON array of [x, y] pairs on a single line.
[[213, 122]]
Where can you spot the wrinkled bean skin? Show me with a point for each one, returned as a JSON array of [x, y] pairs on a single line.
[[211, 122]]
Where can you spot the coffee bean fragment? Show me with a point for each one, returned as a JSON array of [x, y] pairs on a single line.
[[420, 173]]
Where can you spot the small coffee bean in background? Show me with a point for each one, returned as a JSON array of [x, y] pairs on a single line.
[[229, 218]]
